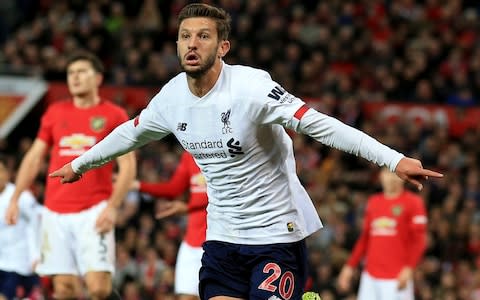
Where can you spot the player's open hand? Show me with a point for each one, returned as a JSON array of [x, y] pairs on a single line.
[[66, 174], [411, 170], [166, 209], [106, 220], [11, 214], [406, 274], [345, 278]]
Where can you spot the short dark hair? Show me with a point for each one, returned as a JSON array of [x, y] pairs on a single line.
[[88, 56], [220, 16]]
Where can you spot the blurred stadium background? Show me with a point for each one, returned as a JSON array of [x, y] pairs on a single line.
[[406, 72]]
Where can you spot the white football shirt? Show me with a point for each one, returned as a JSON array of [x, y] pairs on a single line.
[[236, 133], [19, 243]]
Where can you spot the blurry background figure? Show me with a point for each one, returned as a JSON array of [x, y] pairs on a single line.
[[392, 243], [187, 176], [19, 250]]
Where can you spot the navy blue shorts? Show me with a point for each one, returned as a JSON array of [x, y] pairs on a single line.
[[253, 271], [12, 283]]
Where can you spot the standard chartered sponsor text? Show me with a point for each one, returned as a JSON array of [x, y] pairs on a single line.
[[193, 148]]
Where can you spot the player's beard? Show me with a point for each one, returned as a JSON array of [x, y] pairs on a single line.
[[204, 67]]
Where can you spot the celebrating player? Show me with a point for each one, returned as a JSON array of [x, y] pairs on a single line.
[[232, 120]]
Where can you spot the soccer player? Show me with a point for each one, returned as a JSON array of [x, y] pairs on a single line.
[[19, 244], [232, 120], [187, 176], [392, 242], [78, 222]]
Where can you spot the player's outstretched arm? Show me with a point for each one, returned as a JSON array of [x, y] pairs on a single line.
[[66, 174], [412, 171]]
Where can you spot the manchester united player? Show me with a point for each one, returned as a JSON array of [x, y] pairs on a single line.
[[186, 176], [77, 224], [392, 242]]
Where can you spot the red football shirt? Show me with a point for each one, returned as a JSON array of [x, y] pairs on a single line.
[[70, 131], [186, 175], [393, 235]]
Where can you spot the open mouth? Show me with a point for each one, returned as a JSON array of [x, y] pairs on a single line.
[[192, 59]]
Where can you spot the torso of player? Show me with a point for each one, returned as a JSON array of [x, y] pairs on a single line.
[[14, 250], [70, 131], [389, 225], [249, 166], [388, 216]]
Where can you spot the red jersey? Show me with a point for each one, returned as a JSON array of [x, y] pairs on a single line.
[[393, 235], [186, 175], [69, 131]]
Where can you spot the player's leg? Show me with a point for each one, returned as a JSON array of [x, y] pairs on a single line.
[[8, 284], [367, 288], [187, 268], [99, 285], [280, 271], [66, 287], [224, 274], [95, 253], [56, 257]]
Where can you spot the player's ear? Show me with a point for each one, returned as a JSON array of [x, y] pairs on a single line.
[[224, 48], [99, 79]]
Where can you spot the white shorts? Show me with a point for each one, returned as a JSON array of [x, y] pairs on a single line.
[[189, 261], [71, 245], [381, 289]]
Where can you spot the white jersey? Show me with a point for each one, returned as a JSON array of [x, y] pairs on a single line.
[[236, 135], [19, 243]]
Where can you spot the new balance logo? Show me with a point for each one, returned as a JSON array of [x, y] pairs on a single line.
[[182, 126], [234, 147]]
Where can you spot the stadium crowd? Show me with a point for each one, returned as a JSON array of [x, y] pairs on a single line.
[[348, 52]]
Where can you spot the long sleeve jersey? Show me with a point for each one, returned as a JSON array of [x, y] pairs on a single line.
[[236, 134]]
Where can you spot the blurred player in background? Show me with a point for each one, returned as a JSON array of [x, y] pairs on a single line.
[[392, 242], [187, 176], [232, 120], [19, 244], [78, 222]]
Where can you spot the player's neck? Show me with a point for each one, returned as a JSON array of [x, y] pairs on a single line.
[[86, 101], [392, 194], [202, 85]]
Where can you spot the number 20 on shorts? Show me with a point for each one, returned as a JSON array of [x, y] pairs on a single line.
[[284, 282]]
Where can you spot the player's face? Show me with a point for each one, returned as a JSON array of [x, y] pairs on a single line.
[[82, 78], [390, 181], [198, 47]]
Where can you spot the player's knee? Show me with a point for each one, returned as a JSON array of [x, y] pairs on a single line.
[[64, 291], [99, 292]]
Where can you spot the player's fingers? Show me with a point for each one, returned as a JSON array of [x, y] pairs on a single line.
[[429, 173], [415, 182]]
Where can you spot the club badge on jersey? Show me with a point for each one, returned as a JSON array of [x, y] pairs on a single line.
[[97, 124]]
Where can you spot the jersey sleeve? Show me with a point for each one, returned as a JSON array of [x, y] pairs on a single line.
[[417, 231], [46, 123], [172, 188], [360, 248], [272, 104], [149, 125]]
